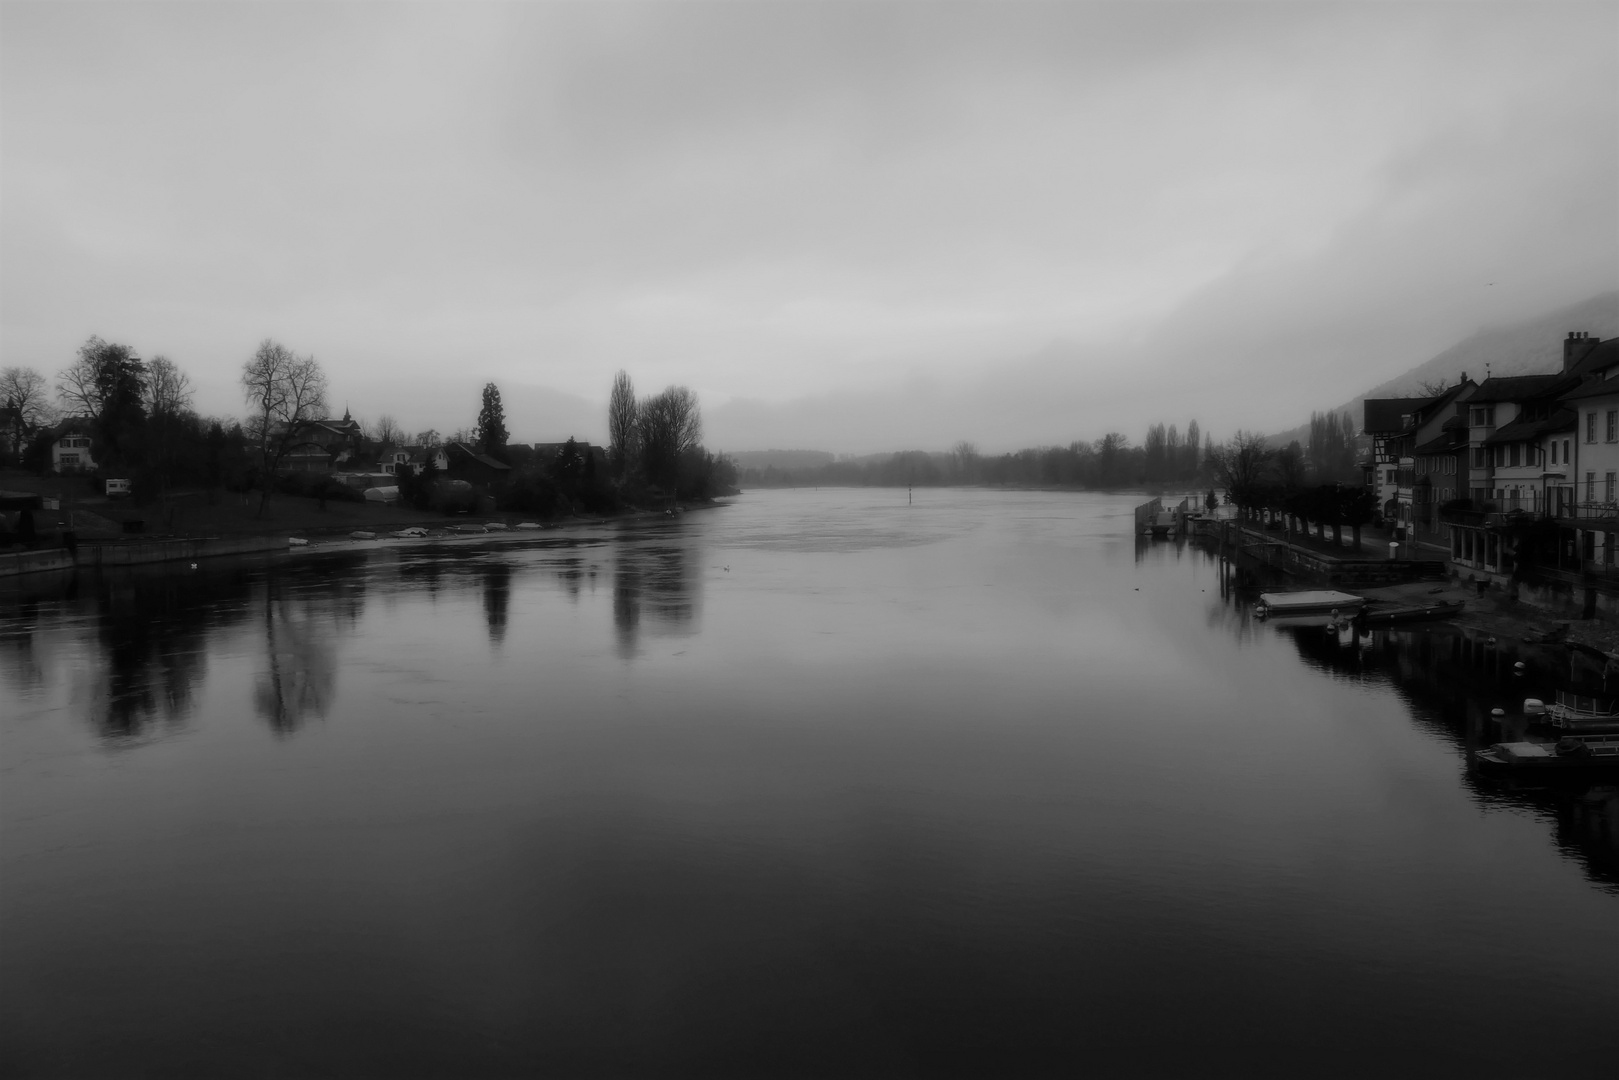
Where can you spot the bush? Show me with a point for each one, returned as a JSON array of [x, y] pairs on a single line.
[[530, 493], [318, 486], [452, 497]]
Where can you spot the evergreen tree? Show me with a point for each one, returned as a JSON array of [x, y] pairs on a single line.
[[492, 424]]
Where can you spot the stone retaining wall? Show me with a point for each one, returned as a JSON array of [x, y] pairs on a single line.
[[120, 553]]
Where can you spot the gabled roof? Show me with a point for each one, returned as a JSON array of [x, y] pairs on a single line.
[[1449, 441], [1529, 430], [482, 459], [1382, 415], [1519, 387], [1592, 388], [1604, 354]]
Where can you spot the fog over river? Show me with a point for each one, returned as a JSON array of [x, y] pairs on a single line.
[[816, 783]]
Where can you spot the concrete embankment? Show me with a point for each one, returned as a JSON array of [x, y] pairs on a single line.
[[136, 552], [1343, 568]]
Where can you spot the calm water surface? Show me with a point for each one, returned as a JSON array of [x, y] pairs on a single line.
[[815, 784]]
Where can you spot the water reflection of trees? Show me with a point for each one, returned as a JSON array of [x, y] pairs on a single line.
[[1452, 678], [497, 598], [150, 628], [656, 586], [305, 605], [152, 624]]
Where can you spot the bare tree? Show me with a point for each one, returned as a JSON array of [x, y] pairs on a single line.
[[667, 426], [388, 431], [82, 386], [168, 389], [621, 415], [24, 389], [286, 392], [964, 461], [429, 438], [1242, 466], [1431, 387], [107, 384]]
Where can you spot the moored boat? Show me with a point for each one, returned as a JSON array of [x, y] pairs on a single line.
[[1570, 752], [1315, 602], [1574, 712], [1445, 610]]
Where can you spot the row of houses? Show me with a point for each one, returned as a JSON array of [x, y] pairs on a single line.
[[1465, 472]]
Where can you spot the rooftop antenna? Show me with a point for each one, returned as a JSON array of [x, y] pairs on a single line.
[[1486, 369]]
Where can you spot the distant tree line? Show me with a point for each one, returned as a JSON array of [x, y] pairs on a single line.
[[1166, 458]]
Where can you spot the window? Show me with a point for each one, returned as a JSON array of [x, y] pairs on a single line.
[[1613, 425], [1591, 484], [69, 459], [1590, 427], [1611, 479], [1516, 455], [1566, 459], [1483, 416], [1554, 451], [1480, 460]]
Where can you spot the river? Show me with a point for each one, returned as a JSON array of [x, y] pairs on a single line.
[[816, 783]]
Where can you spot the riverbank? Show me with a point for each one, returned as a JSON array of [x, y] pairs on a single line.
[[1488, 610], [191, 514], [1496, 613]]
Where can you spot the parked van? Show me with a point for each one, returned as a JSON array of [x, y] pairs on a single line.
[[116, 488]]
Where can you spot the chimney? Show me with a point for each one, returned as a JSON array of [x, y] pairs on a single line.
[[1576, 346]]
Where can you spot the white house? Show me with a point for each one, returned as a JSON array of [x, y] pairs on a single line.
[[71, 450]]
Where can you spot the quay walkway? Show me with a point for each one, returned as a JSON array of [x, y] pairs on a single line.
[[1307, 557]]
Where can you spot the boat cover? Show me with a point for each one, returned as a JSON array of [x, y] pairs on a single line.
[[1321, 598]]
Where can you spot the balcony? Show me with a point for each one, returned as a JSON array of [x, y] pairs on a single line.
[[1592, 511]]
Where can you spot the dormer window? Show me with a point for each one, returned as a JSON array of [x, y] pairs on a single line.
[[1483, 416]]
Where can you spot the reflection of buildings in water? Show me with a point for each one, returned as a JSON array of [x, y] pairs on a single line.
[[300, 675], [1453, 678], [497, 598], [655, 586]]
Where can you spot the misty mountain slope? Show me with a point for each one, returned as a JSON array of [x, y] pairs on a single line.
[[1531, 347]]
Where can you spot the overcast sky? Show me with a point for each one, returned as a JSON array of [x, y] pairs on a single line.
[[848, 226]]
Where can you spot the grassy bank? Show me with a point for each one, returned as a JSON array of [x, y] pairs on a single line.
[[200, 513]]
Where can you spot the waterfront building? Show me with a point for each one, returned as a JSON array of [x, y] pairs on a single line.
[[1385, 422], [1397, 427], [1543, 476], [1590, 508], [1437, 456], [70, 450]]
